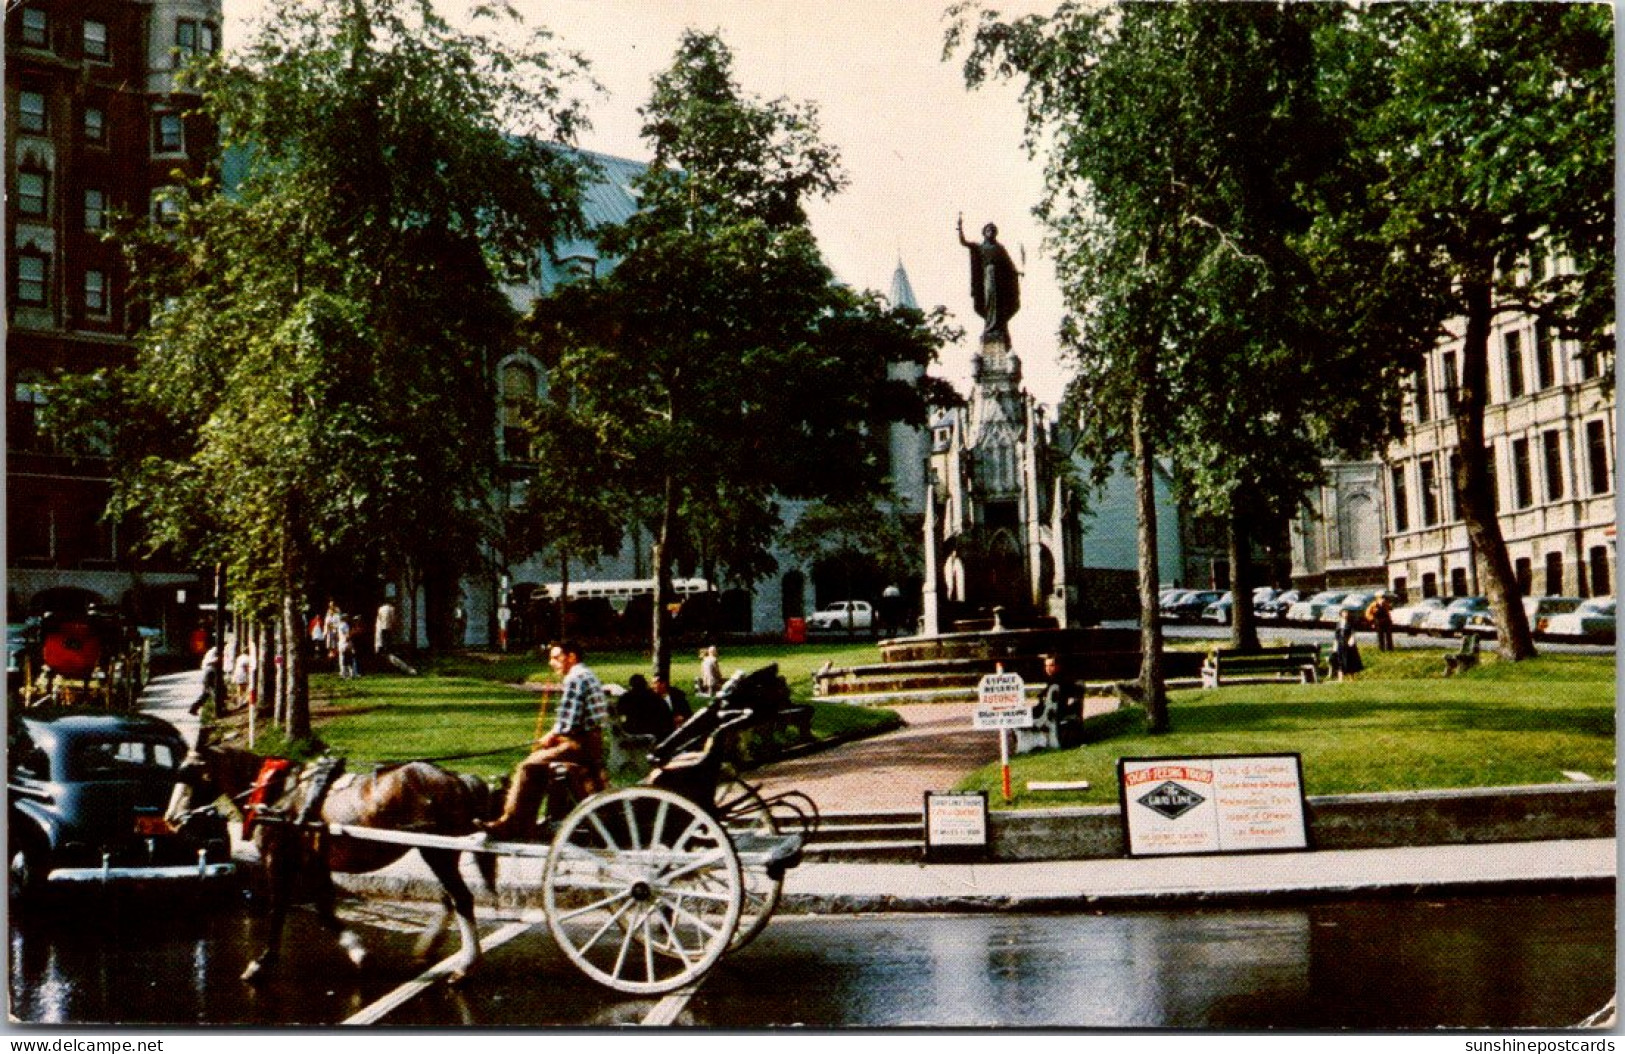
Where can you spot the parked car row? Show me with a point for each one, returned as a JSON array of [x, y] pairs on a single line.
[[1558, 618]]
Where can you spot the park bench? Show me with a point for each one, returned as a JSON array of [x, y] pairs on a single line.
[[1465, 658], [1300, 661]]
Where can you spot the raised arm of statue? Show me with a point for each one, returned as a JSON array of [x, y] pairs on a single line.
[[960, 227]]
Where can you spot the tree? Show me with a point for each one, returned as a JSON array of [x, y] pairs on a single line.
[[322, 335], [1178, 139], [1483, 145], [719, 364]]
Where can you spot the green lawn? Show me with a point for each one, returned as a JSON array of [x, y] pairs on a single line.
[[1399, 726], [469, 704]]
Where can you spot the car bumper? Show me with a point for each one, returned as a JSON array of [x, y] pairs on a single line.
[[200, 871]]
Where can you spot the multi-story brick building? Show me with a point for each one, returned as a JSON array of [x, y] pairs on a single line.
[[97, 126], [1550, 427]]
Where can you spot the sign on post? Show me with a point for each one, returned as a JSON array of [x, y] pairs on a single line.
[[1216, 803], [955, 826], [1001, 702]]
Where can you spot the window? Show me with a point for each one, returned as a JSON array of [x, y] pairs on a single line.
[[1545, 361], [33, 193], [168, 136], [36, 28], [96, 292], [1523, 485], [28, 398], [208, 38], [1401, 587], [95, 39], [1597, 456], [1602, 583], [1514, 365], [31, 111], [186, 36], [1430, 584], [1448, 363], [1551, 443], [1430, 493], [95, 124], [1554, 574], [31, 276], [95, 209], [1419, 386], [1494, 475], [1402, 511], [166, 206], [1458, 581], [1523, 574], [1588, 365]]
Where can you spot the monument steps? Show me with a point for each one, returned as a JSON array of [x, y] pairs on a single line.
[[871, 836]]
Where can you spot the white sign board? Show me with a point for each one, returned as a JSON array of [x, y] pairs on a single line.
[[1001, 702], [1214, 804], [955, 827]]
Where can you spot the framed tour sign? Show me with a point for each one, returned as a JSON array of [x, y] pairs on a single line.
[[1213, 803], [955, 826]]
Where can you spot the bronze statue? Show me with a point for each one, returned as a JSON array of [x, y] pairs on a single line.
[[995, 285]]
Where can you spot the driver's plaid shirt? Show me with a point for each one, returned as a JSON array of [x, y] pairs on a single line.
[[583, 707]]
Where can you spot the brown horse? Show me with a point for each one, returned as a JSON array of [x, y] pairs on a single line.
[[415, 797]]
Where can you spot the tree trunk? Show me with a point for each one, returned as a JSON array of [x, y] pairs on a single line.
[[660, 639], [1474, 487], [564, 594], [220, 634], [265, 672], [1243, 626], [1152, 691]]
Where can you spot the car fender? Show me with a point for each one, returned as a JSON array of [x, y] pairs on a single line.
[[33, 820]]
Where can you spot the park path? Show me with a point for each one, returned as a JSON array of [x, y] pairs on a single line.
[[891, 772]]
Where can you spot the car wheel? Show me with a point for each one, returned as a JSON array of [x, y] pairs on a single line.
[[26, 868]]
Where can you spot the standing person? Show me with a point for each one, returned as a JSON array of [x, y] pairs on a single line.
[[242, 675], [385, 628], [1381, 617], [577, 737], [710, 682], [1345, 653], [344, 644], [330, 627], [318, 634], [214, 680]]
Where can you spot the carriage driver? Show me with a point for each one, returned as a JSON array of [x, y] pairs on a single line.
[[577, 738]]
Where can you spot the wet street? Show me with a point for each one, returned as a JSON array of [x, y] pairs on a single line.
[[1484, 962]]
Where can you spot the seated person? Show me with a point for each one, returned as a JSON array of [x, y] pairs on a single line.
[[642, 712], [577, 738], [675, 700], [1063, 698]]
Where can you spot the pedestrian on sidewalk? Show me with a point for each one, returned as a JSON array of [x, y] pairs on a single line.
[[242, 675], [214, 681]]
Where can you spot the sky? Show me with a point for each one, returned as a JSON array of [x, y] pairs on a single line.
[[918, 148]]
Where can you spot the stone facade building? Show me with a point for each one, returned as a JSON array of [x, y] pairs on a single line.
[[96, 125], [1550, 427]]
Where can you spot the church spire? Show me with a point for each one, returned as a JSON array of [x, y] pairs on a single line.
[[902, 294]]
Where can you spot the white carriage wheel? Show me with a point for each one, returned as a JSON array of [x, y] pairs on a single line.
[[743, 810], [643, 890]]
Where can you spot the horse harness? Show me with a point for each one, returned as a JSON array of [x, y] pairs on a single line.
[[278, 778]]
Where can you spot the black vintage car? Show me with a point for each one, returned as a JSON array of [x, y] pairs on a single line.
[[86, 797]]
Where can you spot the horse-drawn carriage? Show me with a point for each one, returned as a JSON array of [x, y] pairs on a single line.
[[95, 658], [644, 887]]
